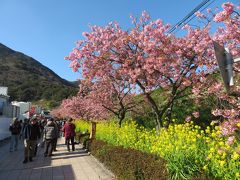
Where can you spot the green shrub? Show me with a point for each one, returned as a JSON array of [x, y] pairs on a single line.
[[128, 163]]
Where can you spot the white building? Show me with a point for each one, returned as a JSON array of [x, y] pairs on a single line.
[[6, 108], [4, 91], [7, 112], [24, 108]]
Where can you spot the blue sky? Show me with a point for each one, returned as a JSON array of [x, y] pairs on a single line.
[[48, 29]]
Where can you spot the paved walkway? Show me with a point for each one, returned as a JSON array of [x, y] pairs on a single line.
[[63, 165]]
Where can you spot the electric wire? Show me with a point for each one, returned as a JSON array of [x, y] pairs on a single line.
[[194, 15], [190, 15]]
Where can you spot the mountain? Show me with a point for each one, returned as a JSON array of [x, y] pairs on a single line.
[[29, 80]]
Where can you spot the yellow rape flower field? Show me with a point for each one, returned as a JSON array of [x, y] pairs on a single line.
[[187, 148]]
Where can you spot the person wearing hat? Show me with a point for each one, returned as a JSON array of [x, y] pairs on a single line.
[[15, 129], [31, 133]]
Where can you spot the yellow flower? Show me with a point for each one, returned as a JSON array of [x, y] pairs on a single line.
[[211, 149], [209, 156], [207, 130], [224, 155], [221, 143], [235, 156], [221, 163], [237, 174], [213, 134], [238, 125], [205, 167]]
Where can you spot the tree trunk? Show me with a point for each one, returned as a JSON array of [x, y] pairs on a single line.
[[149, 99], [158, 124], [121, 117], [93, 130], [169, 116]]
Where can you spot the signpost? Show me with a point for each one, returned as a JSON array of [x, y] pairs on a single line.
[[225, 63]]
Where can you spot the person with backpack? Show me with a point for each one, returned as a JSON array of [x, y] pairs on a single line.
[[69, 133], [15, 129], [50, 133]]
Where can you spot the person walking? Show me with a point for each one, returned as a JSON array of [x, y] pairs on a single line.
[[69, 133], [21, 125], [43, 123], [24, 124], [62, 128], [15, 129], [49, 135], [57, 135], [31, 133]]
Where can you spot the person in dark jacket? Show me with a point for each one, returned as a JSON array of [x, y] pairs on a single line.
[[50, 133], [31, 133], [69, 133], [57, 135], [15, 129]]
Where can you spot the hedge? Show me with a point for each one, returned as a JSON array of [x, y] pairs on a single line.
[[129, 163]]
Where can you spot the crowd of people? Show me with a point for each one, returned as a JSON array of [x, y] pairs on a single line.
[[40, 132]]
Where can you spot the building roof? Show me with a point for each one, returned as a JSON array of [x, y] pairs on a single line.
[[4, 96]]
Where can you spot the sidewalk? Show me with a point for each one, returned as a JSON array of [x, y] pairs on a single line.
[[63, 165]]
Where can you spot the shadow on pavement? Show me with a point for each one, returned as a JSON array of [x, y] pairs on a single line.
[[53, 172]]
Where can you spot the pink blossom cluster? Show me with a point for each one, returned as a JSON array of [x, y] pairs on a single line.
[[188, 118], [214, 88], [229, 127], [97, 100], [228, 10], [231, 140], [196, 114], [199, 14], [80, 108], [229, 33], [226, 113]]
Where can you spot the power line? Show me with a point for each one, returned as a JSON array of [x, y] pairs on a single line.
[[189, 15], [194, 15]]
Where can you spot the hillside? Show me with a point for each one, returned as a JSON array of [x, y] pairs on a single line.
[[29, 80]]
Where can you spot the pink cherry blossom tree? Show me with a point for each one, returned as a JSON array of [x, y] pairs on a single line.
[[82, 108], [96, 100], [146, 56], [115, 96], [149, 58], [227, 105]]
